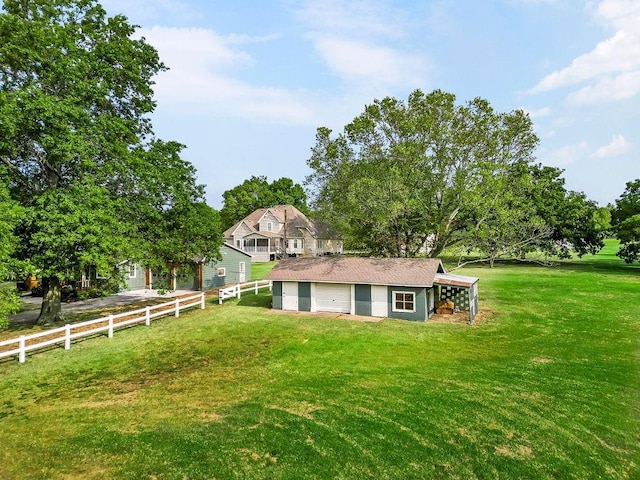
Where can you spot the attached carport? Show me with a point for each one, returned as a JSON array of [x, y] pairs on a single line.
[[461, 290]]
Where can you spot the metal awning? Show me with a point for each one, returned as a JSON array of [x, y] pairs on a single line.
[[455, 280]]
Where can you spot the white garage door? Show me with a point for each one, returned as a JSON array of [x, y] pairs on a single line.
[[333, 297], [290, 296]]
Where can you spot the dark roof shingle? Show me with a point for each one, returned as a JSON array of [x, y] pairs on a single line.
[[418, 272]]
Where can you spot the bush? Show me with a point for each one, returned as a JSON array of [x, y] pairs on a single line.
[[9, 304]]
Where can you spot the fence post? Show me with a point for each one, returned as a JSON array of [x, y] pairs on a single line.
[[202, 301], [22, 354], [177, 308], [255, 286], [238, 293], [67, 336], [147, 316], [110, 334], [219, 296], [270, 285]]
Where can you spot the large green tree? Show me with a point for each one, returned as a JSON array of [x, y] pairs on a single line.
[[10, 213], [78, 145], [625, 220], [257, 192], [427, 174], [406, 175]]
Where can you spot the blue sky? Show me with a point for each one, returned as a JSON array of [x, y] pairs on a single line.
[[250, 81]]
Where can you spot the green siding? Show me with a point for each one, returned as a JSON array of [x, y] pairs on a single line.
[[230, 261], [363, 300], [276, 301], [304, 296], [421, 304], [137, 283]]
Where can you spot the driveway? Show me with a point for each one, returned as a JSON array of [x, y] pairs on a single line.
[[123, 298]]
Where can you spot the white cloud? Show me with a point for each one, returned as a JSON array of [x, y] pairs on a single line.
[[370, 63], [618, 146], [564, 156], [361, 43], [198, 79], [611, 70], [621, 87], [621, 53]]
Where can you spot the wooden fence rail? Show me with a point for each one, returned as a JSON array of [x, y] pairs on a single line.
[[240, 288], [25, 343]]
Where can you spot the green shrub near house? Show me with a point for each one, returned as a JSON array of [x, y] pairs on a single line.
[[544, 386]]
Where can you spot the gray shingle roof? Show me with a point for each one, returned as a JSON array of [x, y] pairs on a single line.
[[409, 272]]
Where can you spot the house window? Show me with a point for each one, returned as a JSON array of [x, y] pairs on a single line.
[[269, 226], [222, 271], [404, 302], [320, 243], [132, 270], [238, 244]]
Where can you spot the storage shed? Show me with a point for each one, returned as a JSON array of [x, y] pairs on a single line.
[[404, 288], [234, 267]]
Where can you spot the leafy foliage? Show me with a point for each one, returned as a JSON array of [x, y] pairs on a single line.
[[9, 214], [257, 192], [625, 219], [97, 187], [428, 174]]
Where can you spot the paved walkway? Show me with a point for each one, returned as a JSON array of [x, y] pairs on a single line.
[[123, 298]]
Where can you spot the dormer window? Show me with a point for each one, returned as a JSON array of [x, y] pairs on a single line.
[[269, 227]]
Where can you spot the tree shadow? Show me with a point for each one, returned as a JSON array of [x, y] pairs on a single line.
[[261, 300]]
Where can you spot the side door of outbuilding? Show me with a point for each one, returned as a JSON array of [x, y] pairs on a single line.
[[379, 301], [290, 296]]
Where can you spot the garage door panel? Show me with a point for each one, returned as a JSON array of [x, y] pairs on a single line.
[[333, 297]]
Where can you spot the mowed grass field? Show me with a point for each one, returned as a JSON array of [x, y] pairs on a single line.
[[546, 385]]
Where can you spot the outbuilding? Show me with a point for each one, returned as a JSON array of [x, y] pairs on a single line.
[[404, 288]]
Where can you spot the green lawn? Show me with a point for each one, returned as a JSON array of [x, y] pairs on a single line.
[[545, 386], [259, 270]]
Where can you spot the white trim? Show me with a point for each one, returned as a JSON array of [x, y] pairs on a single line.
[[222, 272], [135, 270], [314, 306], [353, 299], [402, 292]]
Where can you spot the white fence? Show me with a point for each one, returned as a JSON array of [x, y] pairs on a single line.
[[108, 324], [239, 289]]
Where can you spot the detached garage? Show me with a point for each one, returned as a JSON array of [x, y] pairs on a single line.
[[405, 288]]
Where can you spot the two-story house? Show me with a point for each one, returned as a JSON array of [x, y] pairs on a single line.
[[283, 230]]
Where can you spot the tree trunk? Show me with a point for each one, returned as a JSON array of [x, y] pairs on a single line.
[[51, 310]]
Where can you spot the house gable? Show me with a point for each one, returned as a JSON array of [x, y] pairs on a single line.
[[269, 223]]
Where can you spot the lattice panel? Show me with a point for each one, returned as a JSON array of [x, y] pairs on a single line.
[[459, 296]]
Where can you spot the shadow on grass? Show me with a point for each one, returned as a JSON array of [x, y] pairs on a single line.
[[252, 300]]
